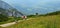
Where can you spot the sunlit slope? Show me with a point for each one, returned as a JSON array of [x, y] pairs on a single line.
[[39, 22]]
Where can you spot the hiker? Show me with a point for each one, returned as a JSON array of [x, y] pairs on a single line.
[[24, 17]]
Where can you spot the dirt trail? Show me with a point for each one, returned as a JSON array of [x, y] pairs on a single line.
[[12, 23], [9, 24]]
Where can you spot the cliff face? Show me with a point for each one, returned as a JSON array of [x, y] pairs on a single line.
[[5, 5]]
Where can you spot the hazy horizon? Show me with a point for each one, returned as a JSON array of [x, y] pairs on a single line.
[[35, 6]]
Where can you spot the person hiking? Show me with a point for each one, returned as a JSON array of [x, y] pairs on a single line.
[[24, 17]]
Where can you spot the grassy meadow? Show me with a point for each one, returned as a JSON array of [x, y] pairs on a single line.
[[52, 21]]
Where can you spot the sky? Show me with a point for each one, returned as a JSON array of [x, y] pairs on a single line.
[[35, 6]]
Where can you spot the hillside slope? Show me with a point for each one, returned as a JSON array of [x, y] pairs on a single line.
[[39, 22], [54, 13]]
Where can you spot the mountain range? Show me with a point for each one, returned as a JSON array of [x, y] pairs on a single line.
[[35, 6], [5, 5]]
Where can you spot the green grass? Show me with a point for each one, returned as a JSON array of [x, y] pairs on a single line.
[[2, 27], [11, 19], [39, 22]]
